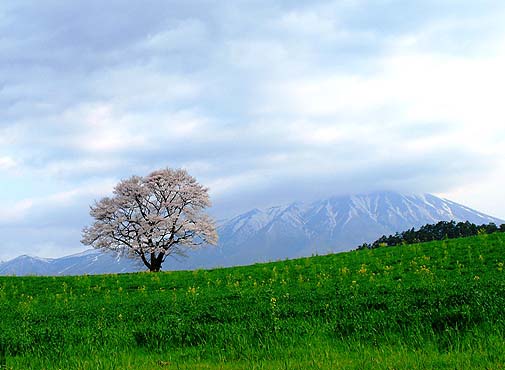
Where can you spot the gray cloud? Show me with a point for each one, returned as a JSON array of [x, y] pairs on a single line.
[[266, 102]]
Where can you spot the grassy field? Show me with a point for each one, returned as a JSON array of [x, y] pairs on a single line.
[[438, 305]]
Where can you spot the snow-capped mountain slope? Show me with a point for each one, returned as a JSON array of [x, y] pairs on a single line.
[[330, 225], [26, 265], [334, 224], [345, 222], [88, 262]]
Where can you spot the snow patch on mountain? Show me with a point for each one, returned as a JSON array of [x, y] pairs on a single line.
[[330, 225]]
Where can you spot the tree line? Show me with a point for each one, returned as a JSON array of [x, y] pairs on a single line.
[[429, 232]]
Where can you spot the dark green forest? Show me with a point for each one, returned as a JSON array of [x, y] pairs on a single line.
[[431, 232]]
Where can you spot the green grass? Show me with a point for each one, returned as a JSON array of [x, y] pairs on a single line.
[[438, 305]]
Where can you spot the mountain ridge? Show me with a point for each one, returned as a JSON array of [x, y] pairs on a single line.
[[338, 223], [334, 224]]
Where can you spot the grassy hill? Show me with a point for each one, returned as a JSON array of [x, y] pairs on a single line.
[[425, 306]]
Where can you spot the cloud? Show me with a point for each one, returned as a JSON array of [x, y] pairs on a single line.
[[15, 212], [7, 163], [265, 102], [28, 209]]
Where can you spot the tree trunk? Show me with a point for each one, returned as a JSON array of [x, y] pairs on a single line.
[[156, 262], [155, 268], [144, 259]]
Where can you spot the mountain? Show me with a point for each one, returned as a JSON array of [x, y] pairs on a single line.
[[331, 225], [88, 262]]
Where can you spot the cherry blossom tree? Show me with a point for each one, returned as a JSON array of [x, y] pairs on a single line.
[[153, 217]]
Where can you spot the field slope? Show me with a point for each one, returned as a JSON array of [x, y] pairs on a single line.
[[425, 306]]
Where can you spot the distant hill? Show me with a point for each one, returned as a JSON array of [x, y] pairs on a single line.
[[89, 262], [331, 225]]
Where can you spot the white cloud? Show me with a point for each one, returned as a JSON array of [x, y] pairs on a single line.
[[107, 129], [82, 167], [483, 193], [222, 186], [311, 24], [23, 209], [15, 212], [51, 249], [7, 163], [278, 101], [461, 95], [187, 34], [144, 86]]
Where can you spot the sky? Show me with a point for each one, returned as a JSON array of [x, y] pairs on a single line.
[[264, 102]]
